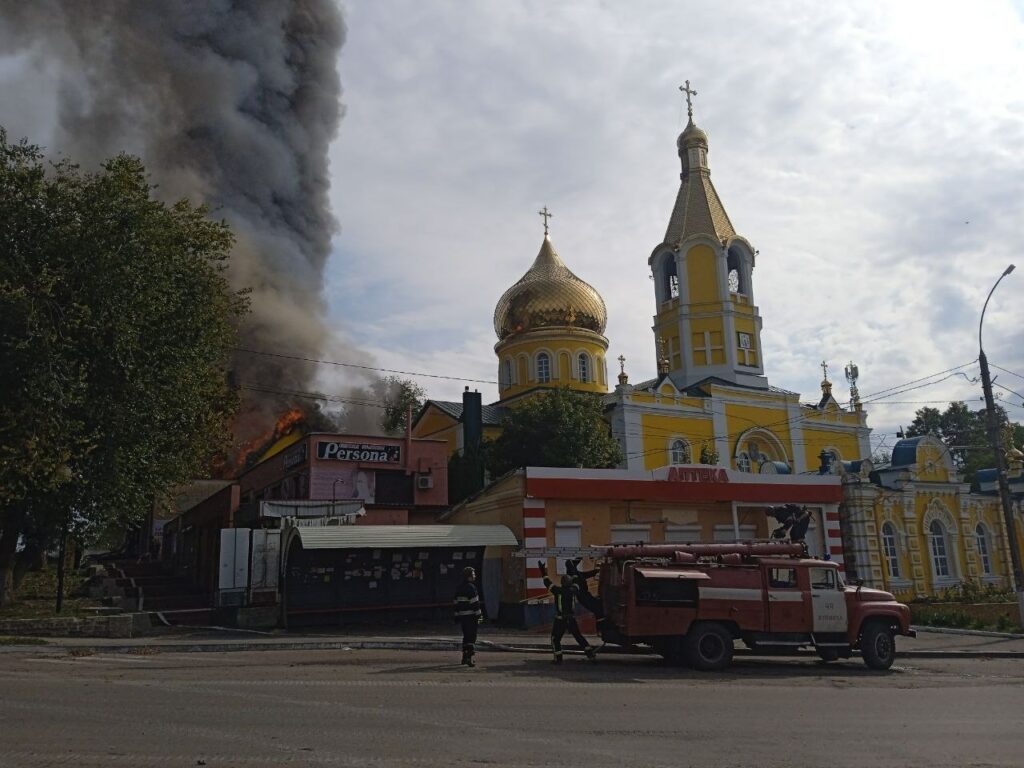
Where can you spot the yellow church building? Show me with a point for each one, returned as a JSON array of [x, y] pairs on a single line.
[[911, 527], [711, 401]]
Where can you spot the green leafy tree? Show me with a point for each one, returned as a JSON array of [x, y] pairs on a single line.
[[558, 428], [965, 433], [115, 325], [399, 396]]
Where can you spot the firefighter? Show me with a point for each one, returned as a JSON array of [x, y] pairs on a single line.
[[588, 600], [565, 602], [468, 614]]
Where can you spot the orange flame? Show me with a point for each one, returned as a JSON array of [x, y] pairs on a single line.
[[250, 451]]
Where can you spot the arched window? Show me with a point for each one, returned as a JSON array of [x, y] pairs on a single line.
[[889, 551], [543, 368], [743, 461], [938, 544], [506, 370], [757, 446], [670, 278], [734, 265], [984, 539], [584, 361], [679, 452]]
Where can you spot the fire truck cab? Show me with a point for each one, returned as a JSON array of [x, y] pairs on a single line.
[[690, 602]]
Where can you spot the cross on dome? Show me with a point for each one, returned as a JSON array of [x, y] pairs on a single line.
[[545, 214], [689, 104]]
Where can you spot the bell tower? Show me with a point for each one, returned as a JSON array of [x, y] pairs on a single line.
[[706, 323]]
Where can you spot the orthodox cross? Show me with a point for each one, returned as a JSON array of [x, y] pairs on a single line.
[[622, 364], [546, 215], [824, 369], [689, 104]]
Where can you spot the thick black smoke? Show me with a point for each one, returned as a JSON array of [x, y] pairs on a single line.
[[230, 102]]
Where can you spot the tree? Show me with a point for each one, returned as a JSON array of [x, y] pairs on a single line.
[[557, 428], [399, 395], [965, 433], [115, 325]]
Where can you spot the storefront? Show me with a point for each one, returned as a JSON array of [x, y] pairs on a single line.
[[574, 508]]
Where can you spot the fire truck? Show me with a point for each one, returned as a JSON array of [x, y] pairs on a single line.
[[690, 602]]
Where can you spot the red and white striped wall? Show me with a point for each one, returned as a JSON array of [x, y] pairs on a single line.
[[834, 539], [535, 536]]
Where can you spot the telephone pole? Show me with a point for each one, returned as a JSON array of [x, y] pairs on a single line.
[[993, 436]]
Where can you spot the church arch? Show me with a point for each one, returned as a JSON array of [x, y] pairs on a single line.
[[679, 451], [755, 446], [891, 549], [983, 541], [542, 364], [507, 372], [564, 368], [584, 367], [940, 532], [666, 277], [522, 368]]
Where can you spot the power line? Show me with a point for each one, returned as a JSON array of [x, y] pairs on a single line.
[[360, 367], [1004, 370]]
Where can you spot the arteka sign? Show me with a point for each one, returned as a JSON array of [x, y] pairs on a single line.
[[384, 454], [697, 475]]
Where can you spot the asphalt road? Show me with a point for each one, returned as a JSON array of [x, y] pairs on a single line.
[[408, 708]]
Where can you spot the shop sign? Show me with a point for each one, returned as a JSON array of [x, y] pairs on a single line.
[[697, 475], [295, 456], [382, 454]]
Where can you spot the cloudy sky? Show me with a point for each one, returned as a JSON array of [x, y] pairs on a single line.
[[872, 152]]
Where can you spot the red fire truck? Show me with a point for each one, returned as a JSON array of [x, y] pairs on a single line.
[[691, 601]]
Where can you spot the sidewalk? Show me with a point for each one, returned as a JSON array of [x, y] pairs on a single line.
[[927, 644]]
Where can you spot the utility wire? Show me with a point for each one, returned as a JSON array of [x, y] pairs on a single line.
[[1004, 370], [360, 367]]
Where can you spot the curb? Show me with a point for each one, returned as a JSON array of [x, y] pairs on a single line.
[[969, 632], [422, 645]]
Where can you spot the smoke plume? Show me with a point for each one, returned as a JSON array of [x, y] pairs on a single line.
[[228, 102]]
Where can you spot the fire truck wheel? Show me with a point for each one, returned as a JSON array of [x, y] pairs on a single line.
[[709, 646], [877, 646]]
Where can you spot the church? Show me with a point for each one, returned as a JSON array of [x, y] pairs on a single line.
[[909, 526], [711, 401]]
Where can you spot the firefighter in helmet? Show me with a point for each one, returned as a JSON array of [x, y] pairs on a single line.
[[468, 613], [587, 599], [565, 596]]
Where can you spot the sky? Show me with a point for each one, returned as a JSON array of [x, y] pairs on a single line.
[[871, 152]]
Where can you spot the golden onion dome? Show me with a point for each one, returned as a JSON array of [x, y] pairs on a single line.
[[549, 296], [692, 136]]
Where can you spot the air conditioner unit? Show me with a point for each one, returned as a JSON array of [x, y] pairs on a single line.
[[424, 482]]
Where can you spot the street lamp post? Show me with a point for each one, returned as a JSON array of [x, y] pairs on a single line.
[[993, 436]]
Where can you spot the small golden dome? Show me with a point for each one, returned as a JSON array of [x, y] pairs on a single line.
[[692, 136], [549, 296]]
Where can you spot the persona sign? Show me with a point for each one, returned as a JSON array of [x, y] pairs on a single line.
[[380, 454]]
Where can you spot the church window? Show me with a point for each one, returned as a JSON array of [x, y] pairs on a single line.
[[756, 447], [584, 368], [507, 373], [736, 279], [679, 452], [671, 278], [743, 461], [543, 368], [984, 548], [892, 557], [939, 547]]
